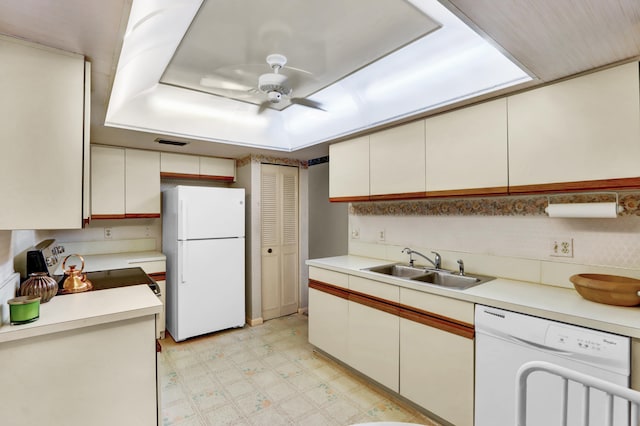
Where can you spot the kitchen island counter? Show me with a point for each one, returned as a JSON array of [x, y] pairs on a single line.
[[557, 303], [73, 311]]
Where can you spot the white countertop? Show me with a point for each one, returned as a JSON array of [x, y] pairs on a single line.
[[561, 304], [99, 262], [75, 311]]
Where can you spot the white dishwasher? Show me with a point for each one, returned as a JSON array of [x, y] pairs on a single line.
[[505, 340]]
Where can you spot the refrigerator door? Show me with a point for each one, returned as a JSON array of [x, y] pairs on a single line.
[[210, 213], [209, 287]]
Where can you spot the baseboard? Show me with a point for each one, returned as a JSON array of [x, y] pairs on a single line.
[[254, 321], [303, 311]]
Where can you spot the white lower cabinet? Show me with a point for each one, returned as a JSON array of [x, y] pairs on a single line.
[[437, 371], [328, 316], [371, 348], [414, 343], [99, 375]]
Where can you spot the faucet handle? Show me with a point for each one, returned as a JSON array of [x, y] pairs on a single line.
[[438, 260]]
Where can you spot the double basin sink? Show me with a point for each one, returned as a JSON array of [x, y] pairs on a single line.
[[438, 277]]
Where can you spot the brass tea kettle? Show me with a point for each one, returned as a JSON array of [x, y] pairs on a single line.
[[76, 281]]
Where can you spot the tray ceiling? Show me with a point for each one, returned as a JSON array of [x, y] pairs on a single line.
[[365, 65]]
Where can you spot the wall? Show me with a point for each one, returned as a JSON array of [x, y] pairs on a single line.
[[328, 222], [12, 243], [248, 177], [500, 239]]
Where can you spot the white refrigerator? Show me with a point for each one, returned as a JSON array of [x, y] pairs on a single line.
[[203, 239]]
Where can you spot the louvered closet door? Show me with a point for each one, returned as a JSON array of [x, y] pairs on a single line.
[[279, 209]]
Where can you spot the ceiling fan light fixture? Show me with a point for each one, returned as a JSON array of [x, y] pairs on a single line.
[[271, 82]]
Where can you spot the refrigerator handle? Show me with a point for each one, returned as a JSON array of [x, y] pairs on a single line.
[[183, 267]]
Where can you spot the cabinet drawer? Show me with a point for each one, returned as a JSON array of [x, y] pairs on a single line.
[[329, 277], [451, 308], [374, 288]]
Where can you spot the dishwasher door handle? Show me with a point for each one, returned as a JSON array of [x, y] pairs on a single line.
[[541, 347]]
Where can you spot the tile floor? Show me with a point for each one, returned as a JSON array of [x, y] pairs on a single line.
[[267, 375]]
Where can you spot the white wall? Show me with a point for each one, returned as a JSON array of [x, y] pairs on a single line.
[[328, 222], [513, 247], [606, 242], [248, 177]]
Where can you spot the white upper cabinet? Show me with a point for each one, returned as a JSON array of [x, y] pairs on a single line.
[[398, 160], [41, 134], [193, 166], [124, 183], [142, 182], [583, 129], [107, 181], [218, 168], [467, 149], [349, 168], [179, 164]]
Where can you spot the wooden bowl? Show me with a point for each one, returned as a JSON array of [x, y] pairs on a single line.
[[608, 289]]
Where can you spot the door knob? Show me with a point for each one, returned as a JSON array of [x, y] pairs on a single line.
[[269, 251]]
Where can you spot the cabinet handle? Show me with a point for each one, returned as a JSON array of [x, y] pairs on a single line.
[[269, 251]]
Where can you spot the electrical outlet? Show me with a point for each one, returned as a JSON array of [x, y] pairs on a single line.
[[355, 233], [562, 247], [147, 231], [381, 235], [107, 233]]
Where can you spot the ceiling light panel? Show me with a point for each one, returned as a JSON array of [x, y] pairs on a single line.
[[225, 48]]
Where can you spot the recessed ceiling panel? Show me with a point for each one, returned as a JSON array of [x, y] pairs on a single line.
[[225, 49]]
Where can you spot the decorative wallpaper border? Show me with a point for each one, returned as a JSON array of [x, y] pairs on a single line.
[[271, 160], [490, 206]]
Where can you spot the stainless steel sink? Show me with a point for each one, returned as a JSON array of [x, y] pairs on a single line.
[[398, 270], [439, 277], [452, 280]]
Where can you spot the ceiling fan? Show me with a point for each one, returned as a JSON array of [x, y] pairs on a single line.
[[274, 84]]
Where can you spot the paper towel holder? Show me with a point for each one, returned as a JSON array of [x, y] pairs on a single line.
[[603, 209]]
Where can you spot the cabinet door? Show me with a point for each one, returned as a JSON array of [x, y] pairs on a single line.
[[467, 150], [142, 171], [328, 316], [179, 164], [107, 181], [41, 129], [218, 168], [583, 129], [398, 160], [349, 169], [373, 344], [437, 371]]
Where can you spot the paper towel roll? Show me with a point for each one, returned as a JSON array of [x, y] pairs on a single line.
[[591, 210]]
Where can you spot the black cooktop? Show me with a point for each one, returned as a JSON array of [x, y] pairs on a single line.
[[112, 278]]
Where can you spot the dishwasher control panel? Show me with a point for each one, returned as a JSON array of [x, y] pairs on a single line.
[[571, 339]]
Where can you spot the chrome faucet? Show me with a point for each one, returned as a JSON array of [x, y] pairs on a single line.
[[437, 262], [460, 267]]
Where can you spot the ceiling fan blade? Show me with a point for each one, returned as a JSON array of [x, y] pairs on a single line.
[[307, 103], [220, 82], [286, 67], [263, 106]]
